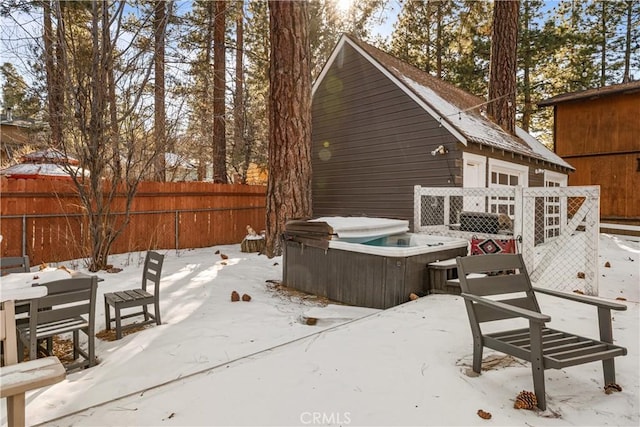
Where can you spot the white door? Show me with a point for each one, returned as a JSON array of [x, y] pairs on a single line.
[[474, 176]]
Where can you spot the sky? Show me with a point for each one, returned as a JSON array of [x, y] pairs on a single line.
[[217, 362]]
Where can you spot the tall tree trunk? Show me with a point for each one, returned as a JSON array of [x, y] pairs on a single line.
[[219, 86], [112, 99], [503, 68], [626, 78], [439, 39], [603, 47], [427, 35], [53, 69], [238, 99], [526, 65], [289, 187], [206, 119], [159, 119]]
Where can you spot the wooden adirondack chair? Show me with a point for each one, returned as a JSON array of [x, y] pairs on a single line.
[[543, 347]]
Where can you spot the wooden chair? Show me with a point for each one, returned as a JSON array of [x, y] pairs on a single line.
[[18, 378], [543, 347], [137, 297], [14, 264], [68, 307]]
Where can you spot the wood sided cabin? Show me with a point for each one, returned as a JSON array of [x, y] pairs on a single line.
[[14, 134], [382, 126], [598, 131]]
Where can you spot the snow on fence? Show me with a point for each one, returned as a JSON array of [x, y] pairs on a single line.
[[556, 228]]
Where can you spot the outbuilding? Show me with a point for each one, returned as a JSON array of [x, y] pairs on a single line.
[[382, 126]]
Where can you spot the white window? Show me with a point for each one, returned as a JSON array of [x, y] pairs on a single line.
[[555, 207], [505, 174]]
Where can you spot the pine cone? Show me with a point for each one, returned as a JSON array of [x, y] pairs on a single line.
[[526, 400], [235, 296], [611, 388], [223, 256], [246, 297], [484, 415]]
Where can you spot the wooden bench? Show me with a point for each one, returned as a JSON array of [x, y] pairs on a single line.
[[543, 347], [18, 378]]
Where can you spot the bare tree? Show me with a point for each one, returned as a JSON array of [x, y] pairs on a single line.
[[503, 68], [160, 133], [116, 154], [289, 187], [240, 143], [219, 87]]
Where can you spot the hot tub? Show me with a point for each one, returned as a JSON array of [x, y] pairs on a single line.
[[379, 273]]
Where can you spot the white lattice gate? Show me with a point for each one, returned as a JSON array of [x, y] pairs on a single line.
[[557, 227]]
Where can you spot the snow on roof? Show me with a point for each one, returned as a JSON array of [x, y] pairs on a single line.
[[455, 108], [40, 170], [173, 160], [49, 155], [629, 87]]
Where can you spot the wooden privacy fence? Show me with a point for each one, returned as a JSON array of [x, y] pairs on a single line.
[[45, 219]]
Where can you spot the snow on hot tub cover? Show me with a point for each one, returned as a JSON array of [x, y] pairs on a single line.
[[363, 229]]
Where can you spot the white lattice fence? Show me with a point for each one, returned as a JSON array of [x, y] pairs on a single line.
[[557, 227]]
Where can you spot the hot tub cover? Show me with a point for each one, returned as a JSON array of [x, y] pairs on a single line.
[[363, 229]]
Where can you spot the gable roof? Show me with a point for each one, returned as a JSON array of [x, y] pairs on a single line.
[[624, 88], [456, 110]]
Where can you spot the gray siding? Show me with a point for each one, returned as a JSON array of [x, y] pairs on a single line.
[[372, 143]]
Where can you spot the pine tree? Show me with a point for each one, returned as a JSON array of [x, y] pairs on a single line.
[[502, 77], [469, 46], [16, 93], [289, 188]]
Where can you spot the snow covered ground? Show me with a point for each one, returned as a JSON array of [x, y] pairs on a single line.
[[217, 362]]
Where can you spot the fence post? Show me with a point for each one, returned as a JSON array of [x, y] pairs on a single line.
[[24, 234], [528, 231], [177, 221], [518, 210], [593, 223], [447, 210], [417, 208]]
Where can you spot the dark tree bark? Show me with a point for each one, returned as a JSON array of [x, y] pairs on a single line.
[[626, 78], [54, 78], [206, 120], [238, 99], [526, 68], [289, 187], [503, 68], [603, 46], [439, 39], [219, 86], [159, 29]]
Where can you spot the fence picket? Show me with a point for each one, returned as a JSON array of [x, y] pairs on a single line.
[[48, 216]]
